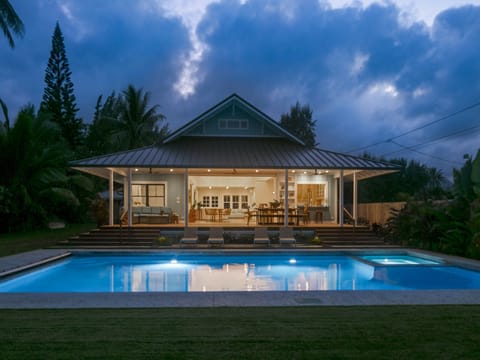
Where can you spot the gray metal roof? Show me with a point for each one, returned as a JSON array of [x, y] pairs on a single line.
[[239, 153]]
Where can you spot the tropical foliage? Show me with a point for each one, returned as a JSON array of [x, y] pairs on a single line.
[[412, 180], [10, 22], [125, 121], [451, 226], [34, 186]]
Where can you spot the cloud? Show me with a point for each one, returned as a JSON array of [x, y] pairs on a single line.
[[119, 44], [359, 68], [370, 71]]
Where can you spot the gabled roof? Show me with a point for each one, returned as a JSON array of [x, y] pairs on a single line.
[[238, 104], [264, 146], [233, 153]]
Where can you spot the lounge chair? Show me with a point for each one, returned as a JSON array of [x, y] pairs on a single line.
[[286, 236], [215, 236], [190, 236], [261, 236]]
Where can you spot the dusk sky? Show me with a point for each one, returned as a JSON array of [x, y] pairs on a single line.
[[372, 71]]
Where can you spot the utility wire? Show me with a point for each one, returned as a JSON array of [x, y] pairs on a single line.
[[425, 154], [470, 130], [418, 128]]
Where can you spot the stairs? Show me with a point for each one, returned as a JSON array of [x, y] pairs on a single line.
[[350, 237], [113, 237], [144, 236]]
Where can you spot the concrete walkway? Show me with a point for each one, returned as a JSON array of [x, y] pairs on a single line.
[[23, 261], [237, 299], [13, 263]]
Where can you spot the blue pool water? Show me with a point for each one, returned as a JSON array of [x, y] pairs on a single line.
[[189, 272], [394, 259]]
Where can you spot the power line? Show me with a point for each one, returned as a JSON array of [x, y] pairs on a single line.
[[425, 154], [457, 133], [418, 128]]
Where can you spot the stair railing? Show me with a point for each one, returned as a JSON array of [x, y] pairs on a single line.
[[349, 215]]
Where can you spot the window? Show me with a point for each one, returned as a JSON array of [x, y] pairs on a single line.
[[215, 201], [233, 124], [226, 201], [235, 201], [148, 194], [244, 203], [206, 201]]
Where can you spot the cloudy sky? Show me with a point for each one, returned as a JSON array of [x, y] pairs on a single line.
[[398, 78]]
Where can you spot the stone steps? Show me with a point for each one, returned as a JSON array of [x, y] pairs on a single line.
[[115, 237]]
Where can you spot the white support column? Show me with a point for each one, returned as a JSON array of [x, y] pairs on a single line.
[[340, 199], [186, 197], [111, 198], [355, 198], [125, 196], [286, 198], [129, 200]]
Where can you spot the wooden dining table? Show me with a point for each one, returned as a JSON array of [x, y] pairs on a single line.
[[276, 216]]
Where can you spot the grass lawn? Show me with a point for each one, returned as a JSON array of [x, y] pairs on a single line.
[[32, 240], [387, 332]]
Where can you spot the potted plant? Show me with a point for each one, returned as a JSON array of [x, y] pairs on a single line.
[[316, 240], [274, 204], [161, 241]]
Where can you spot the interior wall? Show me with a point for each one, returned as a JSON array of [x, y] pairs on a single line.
[[264, 191]]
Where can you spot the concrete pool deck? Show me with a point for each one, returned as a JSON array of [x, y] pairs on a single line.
[[23, 261]]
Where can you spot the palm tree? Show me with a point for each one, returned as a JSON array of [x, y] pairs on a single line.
[[10, 22], [34, 185], [137, 123]]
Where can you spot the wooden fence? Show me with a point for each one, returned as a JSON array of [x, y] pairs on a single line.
[[378, 213]]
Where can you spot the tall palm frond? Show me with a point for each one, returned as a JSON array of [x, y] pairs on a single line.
[[10, 22]]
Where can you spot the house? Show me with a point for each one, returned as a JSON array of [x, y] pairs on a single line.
[[235, 165]]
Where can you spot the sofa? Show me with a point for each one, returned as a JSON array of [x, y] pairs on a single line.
[[152, 215]]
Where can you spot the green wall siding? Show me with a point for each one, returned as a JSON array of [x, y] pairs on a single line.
[[175, 188]]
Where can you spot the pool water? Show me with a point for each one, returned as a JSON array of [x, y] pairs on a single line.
[[197, 272], [393, 259]]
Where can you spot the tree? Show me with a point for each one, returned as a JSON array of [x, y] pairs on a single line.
[[33, 180], [137, 123], [300, 123], [10, 22], [99, 139], [58, 96], [412, 180], [5, 126]]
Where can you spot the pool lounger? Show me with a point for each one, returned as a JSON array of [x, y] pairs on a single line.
[[215, 237], [190, 236], [261, 236]]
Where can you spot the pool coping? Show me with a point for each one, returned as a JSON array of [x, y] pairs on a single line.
[[11, 264]]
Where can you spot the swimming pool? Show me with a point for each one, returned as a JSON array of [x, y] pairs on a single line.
[[222, 271]]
